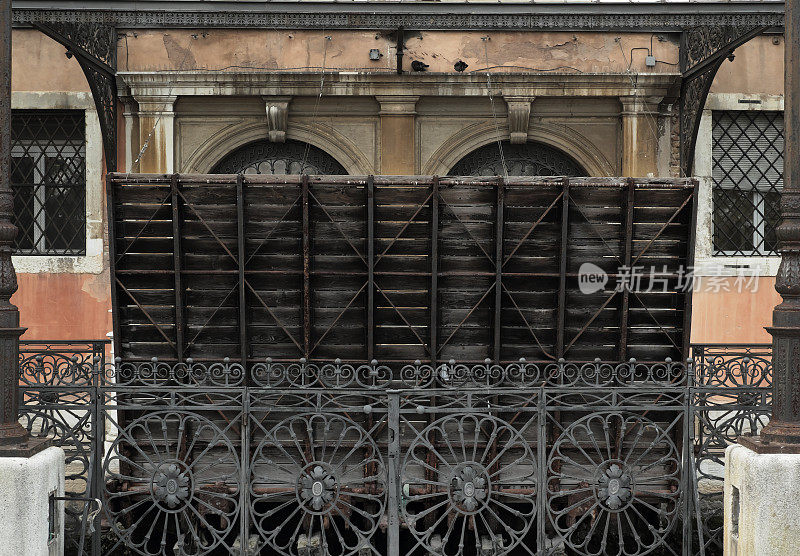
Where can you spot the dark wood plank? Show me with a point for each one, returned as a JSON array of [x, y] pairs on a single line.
[[177, 258], [369, 202], [561, 302], [240, 253]]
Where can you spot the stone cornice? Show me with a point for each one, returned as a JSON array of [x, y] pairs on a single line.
[[207, 83], [624, 16]]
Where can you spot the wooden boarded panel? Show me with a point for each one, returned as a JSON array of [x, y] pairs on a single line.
[[342, 267]]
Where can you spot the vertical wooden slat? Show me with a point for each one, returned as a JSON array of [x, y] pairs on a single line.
[[240, 230], [562, 280], [180, 317], [370, 240], [112, 263], [306, 270], [433, 342], [498, 267], [628, 247]]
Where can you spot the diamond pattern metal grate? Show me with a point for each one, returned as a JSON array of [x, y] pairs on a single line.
[[48, 178], [747, 172]]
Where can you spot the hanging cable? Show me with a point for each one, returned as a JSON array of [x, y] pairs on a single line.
[[494, 112]]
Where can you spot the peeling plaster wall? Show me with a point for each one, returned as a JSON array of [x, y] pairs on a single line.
[[62, 298], [215, 49], [756, 73]]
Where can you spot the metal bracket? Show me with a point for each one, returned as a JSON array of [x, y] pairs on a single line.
[[703, 50], [94, 46]]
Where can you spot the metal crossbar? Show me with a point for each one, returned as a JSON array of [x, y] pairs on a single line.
[[337, 458]]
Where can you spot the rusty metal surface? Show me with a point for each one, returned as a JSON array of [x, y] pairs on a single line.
[[516, 458]]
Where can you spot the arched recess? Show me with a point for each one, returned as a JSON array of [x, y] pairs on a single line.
[[291, 157], [219, 145], [529, 159], [562, 138]]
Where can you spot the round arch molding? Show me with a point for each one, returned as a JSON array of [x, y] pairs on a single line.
[[473, 137], [206, 157]]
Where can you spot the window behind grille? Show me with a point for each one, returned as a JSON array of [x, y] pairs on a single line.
[[48, 178], [748, 177]]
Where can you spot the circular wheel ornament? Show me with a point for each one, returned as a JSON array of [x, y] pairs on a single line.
[[469, 485], [318, 481], [613, 481], [172, 485]]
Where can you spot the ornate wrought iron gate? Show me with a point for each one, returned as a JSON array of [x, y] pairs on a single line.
[[299, 458]]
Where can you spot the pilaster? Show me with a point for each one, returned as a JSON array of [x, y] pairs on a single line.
[[157, 133], [639, 135], [398, 117]]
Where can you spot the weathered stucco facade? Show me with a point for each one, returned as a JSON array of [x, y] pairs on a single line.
[[189, 97]]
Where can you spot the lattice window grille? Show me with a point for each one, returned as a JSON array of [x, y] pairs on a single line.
[[48, 178], [747, 172]]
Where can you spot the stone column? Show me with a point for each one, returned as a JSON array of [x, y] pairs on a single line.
[[398, 145], [157, 131], [639, 136]]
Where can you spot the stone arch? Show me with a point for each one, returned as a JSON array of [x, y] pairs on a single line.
[[237, 135], [560, 137]]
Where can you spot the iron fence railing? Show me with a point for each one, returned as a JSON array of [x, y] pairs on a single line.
[[304, 459]]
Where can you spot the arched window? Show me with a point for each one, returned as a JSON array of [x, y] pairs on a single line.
[[530, 159], [291, 157]]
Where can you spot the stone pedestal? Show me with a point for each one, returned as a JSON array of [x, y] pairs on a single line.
[[31, 524], [762, 514]]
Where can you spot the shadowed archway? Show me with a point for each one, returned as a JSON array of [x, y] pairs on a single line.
[[530, 159], [291, 157]]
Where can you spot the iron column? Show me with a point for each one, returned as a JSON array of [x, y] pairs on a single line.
[[14, 439], [782, 434]]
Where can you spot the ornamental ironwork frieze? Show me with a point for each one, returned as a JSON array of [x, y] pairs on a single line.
[[657, 17]]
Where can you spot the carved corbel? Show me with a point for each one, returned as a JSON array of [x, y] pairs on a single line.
[[277, 117], [519, 117]]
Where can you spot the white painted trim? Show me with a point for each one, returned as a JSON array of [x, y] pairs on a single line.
[[706, 264], [92, 262]]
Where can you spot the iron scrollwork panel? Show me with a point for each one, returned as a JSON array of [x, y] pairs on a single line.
[[318, 484], [704, 49], [172, 482], [614, 484], [300, 459], [470, 483], [94, 45]]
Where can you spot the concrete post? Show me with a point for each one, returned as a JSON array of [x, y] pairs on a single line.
[[33, 517]]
